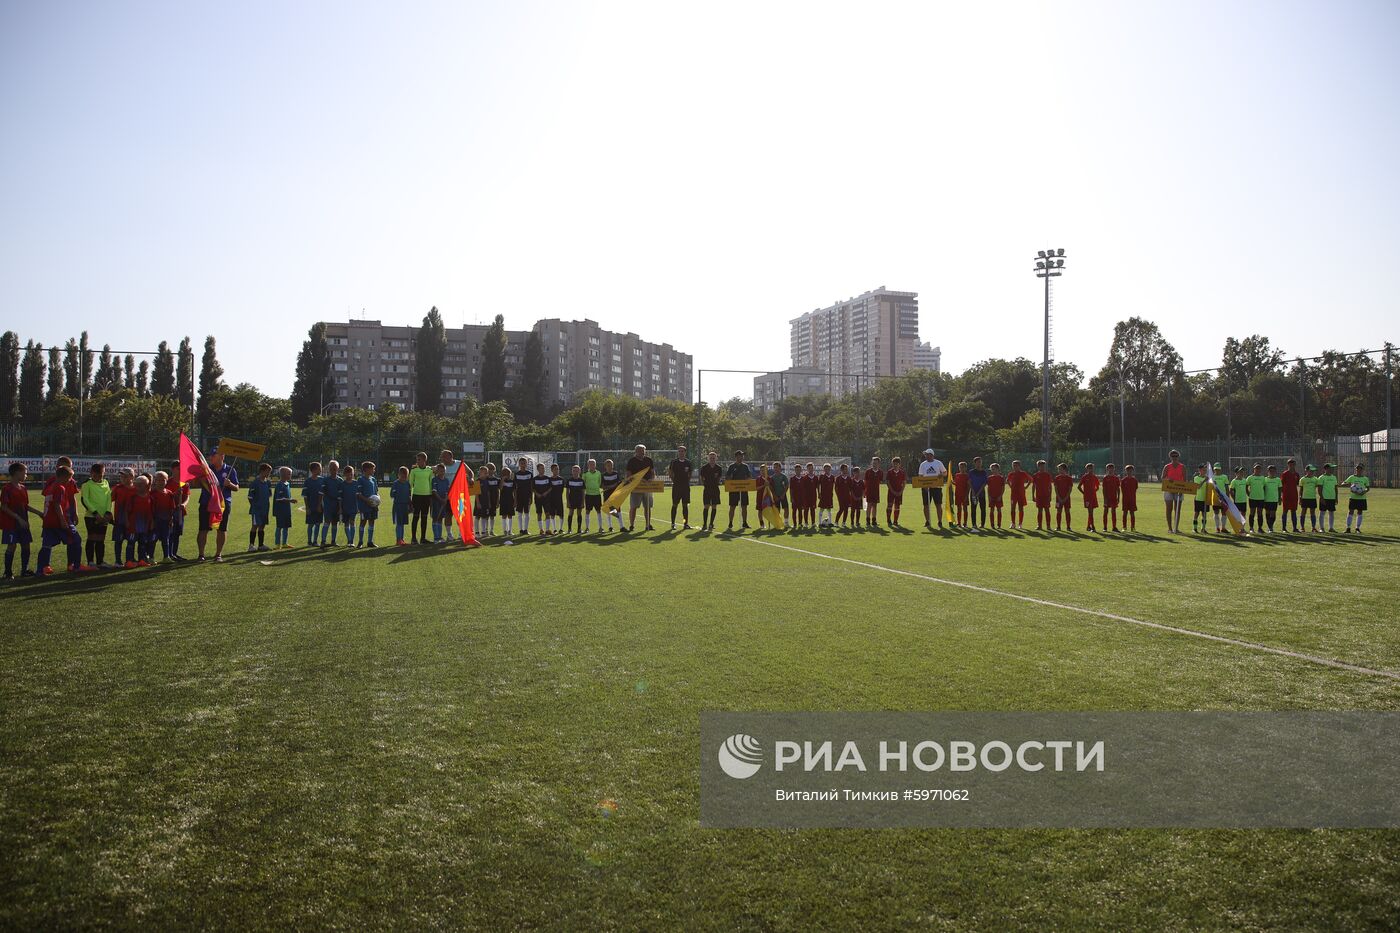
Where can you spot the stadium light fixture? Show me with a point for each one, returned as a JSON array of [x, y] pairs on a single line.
[[1050, 267]]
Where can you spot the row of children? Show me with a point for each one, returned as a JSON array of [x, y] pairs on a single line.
[[1308, 498], [979, 496], [141, 511]]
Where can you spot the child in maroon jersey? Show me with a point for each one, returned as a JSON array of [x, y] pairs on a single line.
[[1112, 484], [1043, 484], [1089, 489], [857, 497], [874, 477], [59, 527], [895, 478], [1016, 482], [961, 484], [996, 489], [809, 491], [1129, 486], [826, 489], [1064, 485], [843, 493]]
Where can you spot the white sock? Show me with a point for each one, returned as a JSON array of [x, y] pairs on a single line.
[[1359, 517]]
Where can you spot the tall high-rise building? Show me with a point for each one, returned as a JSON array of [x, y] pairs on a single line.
[[860, 339], [373, 363]]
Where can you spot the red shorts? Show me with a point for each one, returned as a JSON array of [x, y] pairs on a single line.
[[1091, 501]]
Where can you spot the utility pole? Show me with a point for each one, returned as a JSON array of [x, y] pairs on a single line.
[[1049, 264]]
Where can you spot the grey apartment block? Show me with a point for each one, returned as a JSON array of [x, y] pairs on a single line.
[[373, 363], [861, 339]]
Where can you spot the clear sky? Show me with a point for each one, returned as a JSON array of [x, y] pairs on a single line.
[[699, 173]]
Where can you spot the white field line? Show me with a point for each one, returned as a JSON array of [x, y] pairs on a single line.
[[1174, 629]]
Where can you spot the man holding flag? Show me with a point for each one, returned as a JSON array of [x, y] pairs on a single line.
[[217, 481]]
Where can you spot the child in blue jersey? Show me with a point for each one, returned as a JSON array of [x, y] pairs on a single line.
[[332, 489], [259, 506], [442, 515], [349, 502], [282, 508], [311, 491], [401, 494], [367, 495]]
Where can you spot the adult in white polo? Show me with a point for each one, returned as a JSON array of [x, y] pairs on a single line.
[[1174, 471], [932, 466]]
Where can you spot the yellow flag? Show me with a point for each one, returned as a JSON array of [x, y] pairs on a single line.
[[774, 518], [621, 493], [948, 500]]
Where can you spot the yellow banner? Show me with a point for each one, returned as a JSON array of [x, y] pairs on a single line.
[[773, 517], [474, 488], [241, 450], [651, 485], [621, 493], [929, 482], [741, 485], [1184, 487]]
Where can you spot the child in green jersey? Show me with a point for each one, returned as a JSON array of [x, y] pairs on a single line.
[[1238, 493], [1273, 489], [1198, 516], [1307, 497], [1254, 488], [1327, 496], [1358, 484], [592, 495]]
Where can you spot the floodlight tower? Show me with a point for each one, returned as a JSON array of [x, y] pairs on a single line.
[[1048, 264]]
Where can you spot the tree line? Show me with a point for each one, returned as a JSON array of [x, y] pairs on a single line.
[[993, 406]]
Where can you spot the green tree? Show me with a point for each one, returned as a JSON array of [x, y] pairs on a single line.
[[143, 379], [9, 377], [163, 374], [493, 361], [55, 377], [430, 353], [530, 399], [1141, 358], [31, 384], [184, 369], [1242, 360], [1003, 386], [129, 372], [72, 368], [102, 381], [244, 412], [85, 361], [211, 379], [314, 386]]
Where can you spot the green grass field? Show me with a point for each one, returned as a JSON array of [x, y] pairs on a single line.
[[427, 737]]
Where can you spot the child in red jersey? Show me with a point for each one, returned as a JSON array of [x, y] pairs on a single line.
[[121, 494], [1089, 489], [996, 488], [874, 478], [857, 497], [895, 478], [59, 526], [1129, 489], [14, 521], [826, 489], [1112, 485], [163, 505], [1017, 482], [961, 484], [1064, 485], [140, 522], [1043, 485], [843, 493]]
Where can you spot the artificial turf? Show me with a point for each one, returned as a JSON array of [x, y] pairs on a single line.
[[508, 737]]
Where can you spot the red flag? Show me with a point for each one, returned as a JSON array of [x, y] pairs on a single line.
[[195, 471], [459, 499]]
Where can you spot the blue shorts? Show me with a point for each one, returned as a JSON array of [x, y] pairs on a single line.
[[56, 536], [369, 513], [331, 513], [259, 518], [314, 518], [348, 512], [16, 536]]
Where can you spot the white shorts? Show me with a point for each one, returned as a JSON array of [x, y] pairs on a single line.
[[1171, 497]]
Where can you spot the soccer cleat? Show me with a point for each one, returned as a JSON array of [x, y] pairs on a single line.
[[27, 573], [9, 575], [130, 565], [142, 563], [47, 571]]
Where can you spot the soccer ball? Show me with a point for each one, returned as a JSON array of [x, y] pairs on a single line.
[[1358, 489], [374, 501]]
